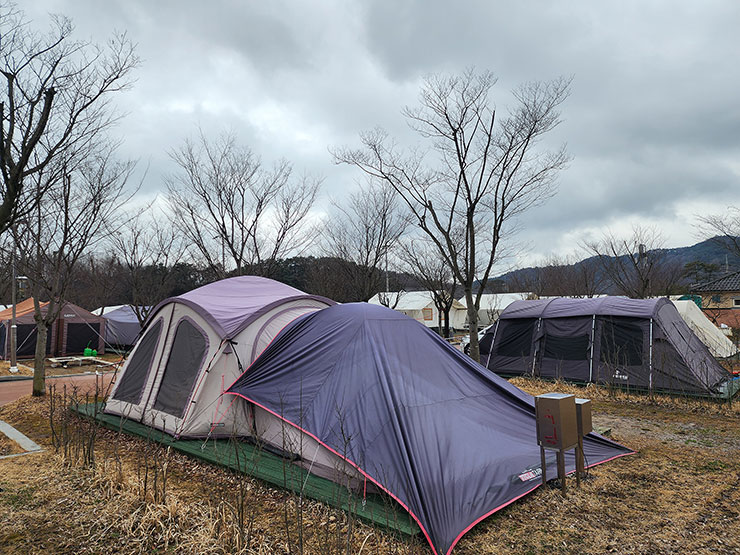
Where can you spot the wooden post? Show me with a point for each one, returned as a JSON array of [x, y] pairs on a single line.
[[543, 462], [561, 469], [580, 470]]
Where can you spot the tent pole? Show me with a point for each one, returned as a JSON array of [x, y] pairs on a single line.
[[591, 358], [536, 345], [650, 356], [493, 341]]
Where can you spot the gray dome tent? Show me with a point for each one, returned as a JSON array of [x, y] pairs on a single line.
[[636, 343], [122, 326], [196, 344]]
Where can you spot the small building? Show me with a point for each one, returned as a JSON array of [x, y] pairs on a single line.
[[74, 330], [720, 302], [492, 305], [420, 306], [722, 293]]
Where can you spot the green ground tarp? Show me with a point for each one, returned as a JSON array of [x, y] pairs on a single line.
[[245, 457]]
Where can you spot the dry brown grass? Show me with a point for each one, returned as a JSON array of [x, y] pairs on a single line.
[[25, 368], [679, 494], [50, 505], [602, 396], [8, 446]]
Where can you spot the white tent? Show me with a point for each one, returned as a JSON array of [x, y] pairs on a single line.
[[419, 305], [492, 304], [196, 345], [717, 343]]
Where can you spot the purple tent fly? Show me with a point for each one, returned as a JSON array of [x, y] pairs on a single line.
[[445, 437], [632, 343]]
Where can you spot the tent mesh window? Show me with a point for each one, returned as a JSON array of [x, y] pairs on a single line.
[[131, 387], [26, 340], [516, 338], [186, 356], [567, 348], [81, 336], [621, 343]]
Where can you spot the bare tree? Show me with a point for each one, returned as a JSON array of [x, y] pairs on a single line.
[[7, 247], [55, 103], [392, 296], [724, 229], [479, 173], [98, 280], [637, 266], [237, 214], [421, 259], [149, 249], [72, 218], [363, 234], [564, 276]]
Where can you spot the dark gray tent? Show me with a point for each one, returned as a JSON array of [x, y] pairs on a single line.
[[640, 343], [122, 326], [74, 330], [448, 440]]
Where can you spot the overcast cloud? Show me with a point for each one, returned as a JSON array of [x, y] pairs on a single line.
[[653, 121]]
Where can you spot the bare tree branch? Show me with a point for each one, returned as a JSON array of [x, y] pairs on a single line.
[[364, 233], [421, 259], [149, 247], [237, 214], [56, 102], [637, 265], [70, 220], [724, 229], [480, 171]]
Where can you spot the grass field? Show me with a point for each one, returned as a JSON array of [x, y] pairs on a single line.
[[679, 494]]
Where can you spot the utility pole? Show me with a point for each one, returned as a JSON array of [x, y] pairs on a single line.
[[13, 329], [387, 284]]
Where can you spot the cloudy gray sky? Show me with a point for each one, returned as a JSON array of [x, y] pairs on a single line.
[[653, 121]]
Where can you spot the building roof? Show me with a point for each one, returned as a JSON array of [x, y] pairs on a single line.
[[730, 282], [497, 301], [411, 300]]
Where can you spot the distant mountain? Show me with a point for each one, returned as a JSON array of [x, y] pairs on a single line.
[[711, 258], [712, 251]]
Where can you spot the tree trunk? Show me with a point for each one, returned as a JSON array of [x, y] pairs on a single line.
[[473, 325], [447, 321], [39, 369]]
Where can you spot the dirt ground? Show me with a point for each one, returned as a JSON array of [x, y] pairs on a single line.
[[11, 391], [679, 494], [25, 366]]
